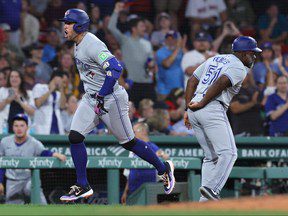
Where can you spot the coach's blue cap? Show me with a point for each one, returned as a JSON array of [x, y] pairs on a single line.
[[21, 116]]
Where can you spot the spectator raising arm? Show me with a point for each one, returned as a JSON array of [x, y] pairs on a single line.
[[6, 101], [62, 97], [26, 107], [112, 26], [281, 67], [180, 46], [229, 29], [42, 99]]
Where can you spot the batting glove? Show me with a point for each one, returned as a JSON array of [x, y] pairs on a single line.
[[99, 108]]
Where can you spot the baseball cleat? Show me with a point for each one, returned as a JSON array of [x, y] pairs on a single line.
[[77, 192], [209, 193], [168, 177]]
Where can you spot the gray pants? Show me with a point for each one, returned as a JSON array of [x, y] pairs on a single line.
[[214, 134], [117, 119], [19, 191]]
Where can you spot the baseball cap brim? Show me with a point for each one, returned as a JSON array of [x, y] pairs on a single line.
[[257, 50]]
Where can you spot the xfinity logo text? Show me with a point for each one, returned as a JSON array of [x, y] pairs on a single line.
[[139, 163], [109, 162], [183, 164], [36, 162], [13, 163], [69, 162]]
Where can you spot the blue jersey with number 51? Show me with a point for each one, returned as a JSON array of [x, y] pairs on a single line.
[[215, 67]]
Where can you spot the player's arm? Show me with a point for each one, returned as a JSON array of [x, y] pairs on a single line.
[[192, 83], [113, 71], [220, 85], [191, 87], [48, 153], [40, 150]]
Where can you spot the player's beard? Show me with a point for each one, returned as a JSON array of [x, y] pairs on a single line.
[[251, 63]]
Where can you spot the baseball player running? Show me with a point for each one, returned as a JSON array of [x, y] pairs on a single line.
[[208, 95], [104, 99]]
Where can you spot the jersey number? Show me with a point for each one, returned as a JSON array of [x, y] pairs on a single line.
[[211, 75]]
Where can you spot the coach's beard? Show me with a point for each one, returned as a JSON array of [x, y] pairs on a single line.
[[251, 65]]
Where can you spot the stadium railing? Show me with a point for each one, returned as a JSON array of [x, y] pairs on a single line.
[[112, 164], [249, 148]]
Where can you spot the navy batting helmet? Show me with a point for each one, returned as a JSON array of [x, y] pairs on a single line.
[[245, 43], [79, 17]]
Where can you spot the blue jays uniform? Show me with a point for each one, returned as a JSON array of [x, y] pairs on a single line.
[[90, 56], [18, 184], [211, 125]]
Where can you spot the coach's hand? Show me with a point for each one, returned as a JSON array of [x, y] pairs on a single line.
[[1, 189], [99, 108], [194, 106], [186, 121]]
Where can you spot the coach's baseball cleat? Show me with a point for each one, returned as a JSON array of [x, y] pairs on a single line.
[[168, 177], [77, 192], [209, 193]]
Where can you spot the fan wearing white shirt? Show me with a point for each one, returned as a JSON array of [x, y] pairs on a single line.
[[49, 99], [206, 14], [194, 58]]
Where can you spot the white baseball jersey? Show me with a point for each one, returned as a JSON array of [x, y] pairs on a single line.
[[90, 54], [208, 72]]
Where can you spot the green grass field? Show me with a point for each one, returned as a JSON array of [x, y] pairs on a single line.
[[116, 210]]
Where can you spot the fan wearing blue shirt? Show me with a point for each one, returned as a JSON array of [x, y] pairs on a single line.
[[261, 68], [170, 74], [273, 25], [281, 67], [276, 108]]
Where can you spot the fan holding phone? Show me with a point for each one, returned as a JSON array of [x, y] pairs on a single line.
[[14, 99]]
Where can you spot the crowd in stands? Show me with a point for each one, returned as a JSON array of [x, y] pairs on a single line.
[[159, 44]]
